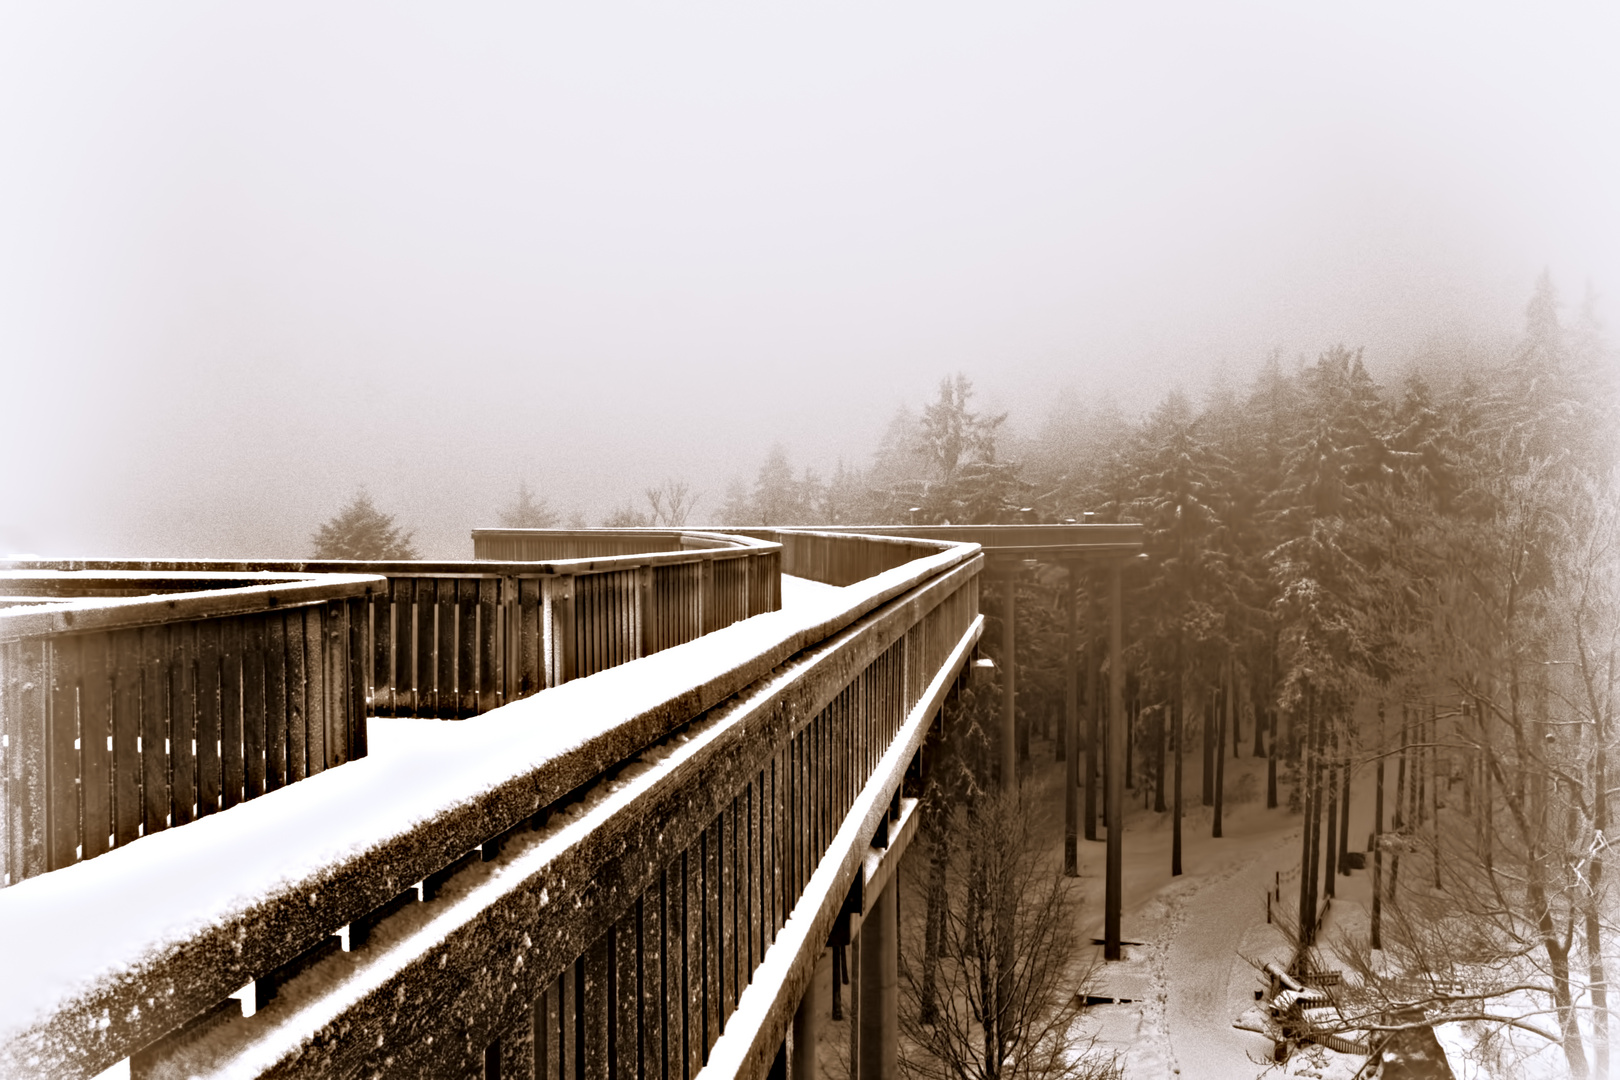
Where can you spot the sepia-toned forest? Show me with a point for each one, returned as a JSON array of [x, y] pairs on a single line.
[[1415, 579]]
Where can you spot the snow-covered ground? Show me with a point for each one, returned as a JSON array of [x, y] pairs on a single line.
[[1201, 934]]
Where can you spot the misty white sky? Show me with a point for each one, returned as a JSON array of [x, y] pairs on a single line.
[[252, 256]]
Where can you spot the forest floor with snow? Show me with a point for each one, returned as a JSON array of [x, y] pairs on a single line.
[[1198, 939]]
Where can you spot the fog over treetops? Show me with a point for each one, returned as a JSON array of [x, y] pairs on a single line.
[[253, 257]]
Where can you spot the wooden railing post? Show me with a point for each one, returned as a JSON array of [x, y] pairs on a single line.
[[22, 666]]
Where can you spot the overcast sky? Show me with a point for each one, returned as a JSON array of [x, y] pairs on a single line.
[[255, 255]]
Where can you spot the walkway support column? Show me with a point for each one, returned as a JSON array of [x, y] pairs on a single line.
[[1071, 729], [1115, 889], [1009, 680], [807, 1025], [879, 1018]]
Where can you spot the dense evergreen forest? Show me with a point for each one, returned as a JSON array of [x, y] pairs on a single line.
[[1414, 579]]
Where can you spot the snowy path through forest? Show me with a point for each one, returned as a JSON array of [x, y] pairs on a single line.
[[1189, 978]]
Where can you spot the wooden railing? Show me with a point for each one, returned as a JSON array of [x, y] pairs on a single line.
[[628, 876], [455, 639], [131, 701], [837, 558]]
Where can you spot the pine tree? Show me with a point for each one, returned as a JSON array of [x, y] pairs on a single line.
[[528, 511], [362, 532]]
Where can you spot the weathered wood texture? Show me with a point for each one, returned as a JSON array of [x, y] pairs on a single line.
[[619, 938], [160, 717]]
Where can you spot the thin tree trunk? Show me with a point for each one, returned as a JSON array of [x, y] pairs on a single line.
[[1330, 795], [933, 918], [1089, 818], [1271, 759], [1434, 785], [1161, 724], [1378, 840], [1398, 822], [1177, 726], [1130, 737], [1344, 806], [1209, 750], [1596, 973], [1307, 872], [1233, 716], [1223, 709], [1254, 709]]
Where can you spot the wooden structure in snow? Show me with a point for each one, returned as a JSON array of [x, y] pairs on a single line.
[[137, 695], [631, 874]]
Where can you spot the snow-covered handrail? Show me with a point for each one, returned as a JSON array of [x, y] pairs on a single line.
[[729, 761]]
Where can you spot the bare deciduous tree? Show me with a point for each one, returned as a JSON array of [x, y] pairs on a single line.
[[997, 996], [672, 502]]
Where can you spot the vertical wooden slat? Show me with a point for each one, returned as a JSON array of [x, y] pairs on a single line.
[[445, 651], [183, 724], [427, 637], [570, 1064], [531, 670], [734, 926], [777, 907], [155, 713], [543, 1017], [750, 839], [488, 594], [692, 957], [95, 755], [562, 622], [335, 697], [654, 992], [625, 1001], [231, 764], [354, 719], [297, 706], [466, 647], [515, 1052], [208, 777], [314, 689], [382, 652], [126, 736], [403, 591], [595, 1007], [253, 705], [713, 991], [277, 702]]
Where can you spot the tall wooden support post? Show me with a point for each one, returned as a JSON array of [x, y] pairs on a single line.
[[1115, 891], [1009, 681], [807, 1024], [878, 1057], [1071, 731]]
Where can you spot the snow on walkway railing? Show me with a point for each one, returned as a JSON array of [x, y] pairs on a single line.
[[761, 732], [138, 700]]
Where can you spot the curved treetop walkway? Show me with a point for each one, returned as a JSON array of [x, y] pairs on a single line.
[[629, 874]]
